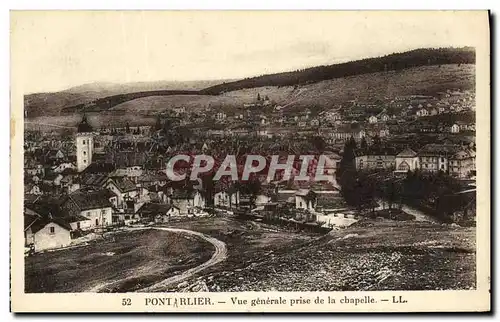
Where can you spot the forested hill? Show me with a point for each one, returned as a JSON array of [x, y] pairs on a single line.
[[398, 61]]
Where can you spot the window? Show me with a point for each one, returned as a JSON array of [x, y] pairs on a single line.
[[442, 159], [97, 221], [84, 152], [78, 225], [103, 212], [84, 142], [52, 230], [85, 161]]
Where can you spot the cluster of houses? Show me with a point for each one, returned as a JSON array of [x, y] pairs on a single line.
[[97, 181], [93, 194], [432, 158]]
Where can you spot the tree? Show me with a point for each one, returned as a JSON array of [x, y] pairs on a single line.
[[158, 125], [363, 145], [266, 98], [348, 157], [258, 96], [319, 143], [127, 128]]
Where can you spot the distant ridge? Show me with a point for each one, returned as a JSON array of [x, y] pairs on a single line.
[[397, 61]]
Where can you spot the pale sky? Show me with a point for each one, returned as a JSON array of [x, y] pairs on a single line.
[[56, 50]]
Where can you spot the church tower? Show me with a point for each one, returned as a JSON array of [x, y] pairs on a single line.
[[84, 145]]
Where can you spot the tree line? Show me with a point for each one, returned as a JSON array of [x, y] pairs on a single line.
[[396, 61]]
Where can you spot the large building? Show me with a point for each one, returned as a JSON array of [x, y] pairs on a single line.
[[84, 145], [407, 160], [435, 157], [462, 164], [375, 158]]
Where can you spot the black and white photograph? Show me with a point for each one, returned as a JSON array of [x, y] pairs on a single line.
[[220, 152]]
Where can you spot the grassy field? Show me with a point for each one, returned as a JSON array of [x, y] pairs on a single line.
[[369, 255], [132, 260]]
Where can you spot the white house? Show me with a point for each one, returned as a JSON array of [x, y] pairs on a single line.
[[372, 119], [44, 231], [407, 160], [455, 128], [187, 201], [122, 188], [63, 166], [94, 205], [158, 213], [227, 198], [305, 199], [422, 112]]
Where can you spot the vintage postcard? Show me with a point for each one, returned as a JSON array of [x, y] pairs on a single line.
[[239, 161]]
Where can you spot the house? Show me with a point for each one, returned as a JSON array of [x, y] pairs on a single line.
[[187, 201], [220, 116], [434, 157], [341, 133], [38, 170], [333, 115], [383, 116], [406, 160], [455, 128], [462, 164], [63, 166], [375, 158], [422, 112], [70, 183], [227, 198], [53, 179], [159, 213], [305, 199], [45, 231], [54, 155], [122, 188], [95, 205], [372, 119], [32, 189], [314, 122]]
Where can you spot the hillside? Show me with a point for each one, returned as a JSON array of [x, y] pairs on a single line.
[[42, 104], [427, 80], [392, 62], [392, 70]]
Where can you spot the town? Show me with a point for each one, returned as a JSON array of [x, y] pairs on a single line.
[[98, 179]]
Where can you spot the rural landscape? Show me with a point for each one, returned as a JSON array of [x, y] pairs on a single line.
[[393, 138]]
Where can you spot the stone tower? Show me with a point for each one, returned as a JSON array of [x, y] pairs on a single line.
[[84, 145]]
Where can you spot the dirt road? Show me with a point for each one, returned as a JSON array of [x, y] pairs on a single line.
[[419, 215], [219, 255]]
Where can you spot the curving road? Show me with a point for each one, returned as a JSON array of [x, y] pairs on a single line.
[[419, 215], [219, 255]]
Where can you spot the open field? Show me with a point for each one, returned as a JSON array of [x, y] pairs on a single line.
[[132, 260], [369, 255]]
